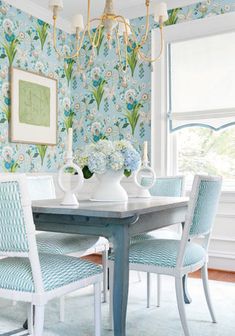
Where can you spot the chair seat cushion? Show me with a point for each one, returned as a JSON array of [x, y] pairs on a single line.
[[157, 234], [63, 243], [163, 253], [57, 271]]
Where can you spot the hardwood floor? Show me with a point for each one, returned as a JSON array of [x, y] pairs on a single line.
[[217, 275], [213, 274]]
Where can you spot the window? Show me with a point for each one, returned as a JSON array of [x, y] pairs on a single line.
[[202, 150], [196, 78]]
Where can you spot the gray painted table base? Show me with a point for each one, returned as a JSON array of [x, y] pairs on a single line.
[[115, 221]]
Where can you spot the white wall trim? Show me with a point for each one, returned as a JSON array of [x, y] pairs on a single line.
[[139, 11], [40, 12]]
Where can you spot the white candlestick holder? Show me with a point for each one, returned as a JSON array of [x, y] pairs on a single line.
[[145, 180], [70, 198]]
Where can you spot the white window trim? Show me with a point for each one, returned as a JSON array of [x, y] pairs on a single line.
[[164, 151]]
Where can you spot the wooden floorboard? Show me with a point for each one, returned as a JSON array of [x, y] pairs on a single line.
[[213, 274]]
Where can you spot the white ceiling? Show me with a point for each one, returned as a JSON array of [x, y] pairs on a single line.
[[128, 8], [125, 7], [80, 6]]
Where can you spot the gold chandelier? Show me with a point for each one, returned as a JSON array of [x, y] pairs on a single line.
[[115, 26]]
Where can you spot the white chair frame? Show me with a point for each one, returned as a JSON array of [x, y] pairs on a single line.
[[98, 248], [40, 297], [179, 271]]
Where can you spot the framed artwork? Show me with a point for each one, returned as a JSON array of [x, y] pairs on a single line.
[[33, 108]]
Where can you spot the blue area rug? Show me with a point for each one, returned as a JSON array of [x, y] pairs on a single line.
[[163, 321]]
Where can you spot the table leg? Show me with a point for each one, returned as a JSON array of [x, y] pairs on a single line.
[[187, 298], [121, 278]]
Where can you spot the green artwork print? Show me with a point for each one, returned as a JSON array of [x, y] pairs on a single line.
[[34, 104]]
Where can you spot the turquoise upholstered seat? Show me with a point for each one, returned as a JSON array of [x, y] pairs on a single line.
[[57, 243], [57, 271], [163, 253]]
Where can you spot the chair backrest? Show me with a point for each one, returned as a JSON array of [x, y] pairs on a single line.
[[203, 203], [13, 236], [41, 187], [17, 229], [169, 186]]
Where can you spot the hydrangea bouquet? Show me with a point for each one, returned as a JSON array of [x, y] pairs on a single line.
[[108, 155]]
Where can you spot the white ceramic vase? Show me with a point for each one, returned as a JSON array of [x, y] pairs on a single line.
[[109, 189]]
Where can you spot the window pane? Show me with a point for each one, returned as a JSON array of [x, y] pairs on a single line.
[[203, 151], [203, 73]]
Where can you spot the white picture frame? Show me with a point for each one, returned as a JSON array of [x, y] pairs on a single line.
[[33, 108]]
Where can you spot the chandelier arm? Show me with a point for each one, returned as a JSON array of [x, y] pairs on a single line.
[[78, 45], [131, 29], [146, 58], [98, 29], [89, 21], [119, 53]]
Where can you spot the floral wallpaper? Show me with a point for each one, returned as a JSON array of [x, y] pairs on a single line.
[[99, 101], [26, 43]]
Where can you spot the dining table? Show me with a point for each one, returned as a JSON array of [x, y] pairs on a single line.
[[118, 222]]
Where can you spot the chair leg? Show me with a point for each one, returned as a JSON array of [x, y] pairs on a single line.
[[39, 320], [30, 318], [181, 304], [159, 285], [148, 288], [62, 304], [111, 296], [204, 274], [139, 276], [97, 308], [105, 273]]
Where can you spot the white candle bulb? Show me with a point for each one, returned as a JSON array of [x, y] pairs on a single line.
[[70, 140], [145, 156], [57, 3], [77, 22], [160, 12]]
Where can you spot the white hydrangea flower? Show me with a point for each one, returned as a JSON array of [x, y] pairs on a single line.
[[105, 146]]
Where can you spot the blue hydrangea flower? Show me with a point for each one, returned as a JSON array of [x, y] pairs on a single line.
[[97, 162], [131, 159], [115, 161]]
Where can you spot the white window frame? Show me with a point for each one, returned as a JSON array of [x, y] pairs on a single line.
[[163, 144]]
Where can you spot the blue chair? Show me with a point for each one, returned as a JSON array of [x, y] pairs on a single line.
[[169, 186], [28, 276], [42, 188], [180, 257]]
